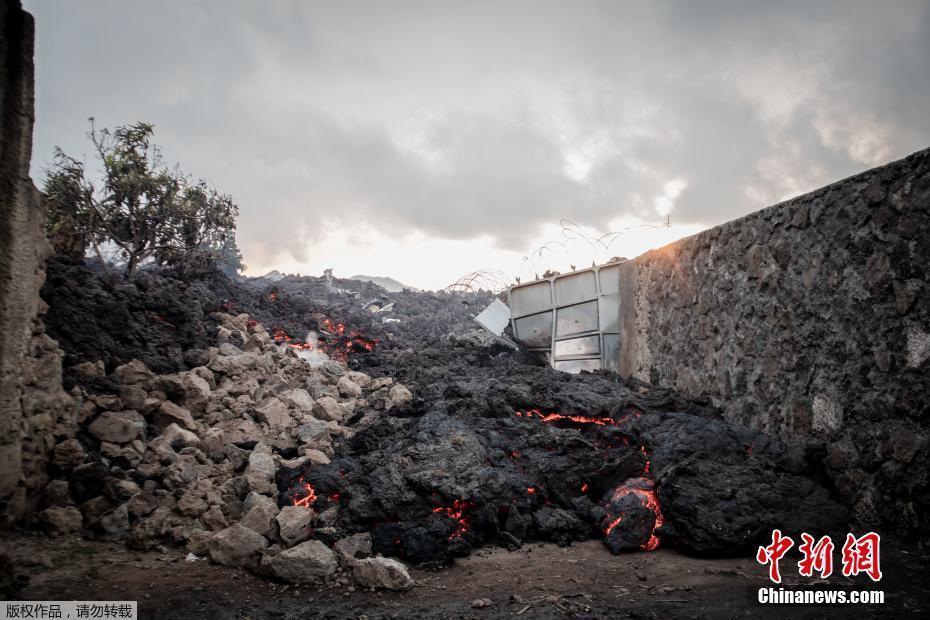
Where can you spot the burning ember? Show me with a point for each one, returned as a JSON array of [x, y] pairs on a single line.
[[339, 346], [280, 336], [334, 328], [273, 296], [456, 512]]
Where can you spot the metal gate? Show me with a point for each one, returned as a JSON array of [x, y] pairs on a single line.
[[572, 319]]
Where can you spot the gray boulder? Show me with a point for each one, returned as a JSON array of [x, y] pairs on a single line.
[[169, 413], [309, 562], [294, 524], [314, 430], [237, 545], [261, 513], [353, 548], [117, 426], [382, 573], [299, 399], [61, 520], [275, 414]]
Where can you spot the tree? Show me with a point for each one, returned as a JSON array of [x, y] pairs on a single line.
[[147, 210], [230, 259]]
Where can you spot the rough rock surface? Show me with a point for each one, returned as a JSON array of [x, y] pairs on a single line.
[[808, 318], [34, 411], [382, 573], [237, 546], [308, 562]]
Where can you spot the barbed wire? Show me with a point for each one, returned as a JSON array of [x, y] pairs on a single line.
[[493, 280], [538, 263]]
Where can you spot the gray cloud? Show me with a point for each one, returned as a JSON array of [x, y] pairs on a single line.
[[463, 119]]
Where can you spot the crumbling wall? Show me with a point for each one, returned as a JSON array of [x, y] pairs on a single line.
[[33, 407], [810, 317]]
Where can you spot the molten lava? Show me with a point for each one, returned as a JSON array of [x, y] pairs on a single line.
[[641, 489], [644, 491], [308, 494], [576, 418], [457, 512]]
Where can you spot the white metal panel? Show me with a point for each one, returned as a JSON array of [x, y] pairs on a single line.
[[495, 317], [576, 319], [576, 366], [586, 346], [531, 298], [609, 279], [608, 307], [575, 287], [612, 352], [534, 331]]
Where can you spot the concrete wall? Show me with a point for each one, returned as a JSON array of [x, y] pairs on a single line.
[[33, 408], [810, 317]]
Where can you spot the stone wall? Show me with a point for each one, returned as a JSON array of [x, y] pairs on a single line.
[[810, 317], [33, 407]]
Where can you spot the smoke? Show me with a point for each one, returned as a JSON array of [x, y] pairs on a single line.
[[313, 355]]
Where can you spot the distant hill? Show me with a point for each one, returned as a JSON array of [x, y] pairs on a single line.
[[389, 284]]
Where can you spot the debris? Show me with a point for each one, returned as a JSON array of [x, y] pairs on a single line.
[[494, 318]]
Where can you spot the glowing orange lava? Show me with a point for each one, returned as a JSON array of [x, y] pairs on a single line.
[[280, 336], [643, 489], [577, 418], [457, 513], [309, 494], [334, 327]]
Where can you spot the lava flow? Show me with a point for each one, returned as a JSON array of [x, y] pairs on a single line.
[[642, 488], [457, 513], [576, 418], [644, 491], [555, 417]]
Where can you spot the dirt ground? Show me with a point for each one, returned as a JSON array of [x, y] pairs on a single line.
[[539, 580]]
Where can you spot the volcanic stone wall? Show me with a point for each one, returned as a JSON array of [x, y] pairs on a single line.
[[33, 407], [810, 317]]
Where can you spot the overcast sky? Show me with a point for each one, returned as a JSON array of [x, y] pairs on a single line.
[[423, 140]]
